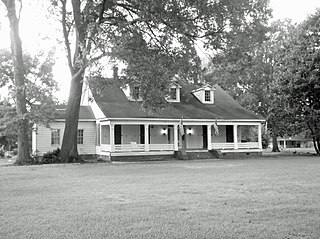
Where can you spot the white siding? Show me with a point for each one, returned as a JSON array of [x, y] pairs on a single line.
[[88, 100], [195, 140], [156, 136], [200, 95], [97, 112], [43, 138], [105, 134]]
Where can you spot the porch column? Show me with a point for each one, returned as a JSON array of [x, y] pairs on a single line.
[[100, 134], [175, 138], [209, 136], [259, 136], [111, 137], [235, 136], [284, 144], [146, 137]]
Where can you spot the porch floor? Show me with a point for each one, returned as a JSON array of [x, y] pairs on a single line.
[[142, 153]]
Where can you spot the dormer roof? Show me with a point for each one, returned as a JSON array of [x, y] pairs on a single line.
[[205, 94], [175, 84], [204, 87]]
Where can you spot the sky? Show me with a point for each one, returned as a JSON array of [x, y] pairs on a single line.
[[35, 26]]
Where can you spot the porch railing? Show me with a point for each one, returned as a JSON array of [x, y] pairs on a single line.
[[136, 147], [105, 147], [223, 145], [128, 147], [248, 145], [161, 147]]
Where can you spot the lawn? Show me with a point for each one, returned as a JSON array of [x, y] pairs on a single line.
[[251, 198]]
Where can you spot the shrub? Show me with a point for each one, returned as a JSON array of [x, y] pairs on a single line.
[[2, 153], [51, 157], [15, 151], [73, 159], [47, 158]]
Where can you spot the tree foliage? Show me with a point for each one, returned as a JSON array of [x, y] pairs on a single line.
[[13, 15], [248, 72], [300, 76], [39, 90]]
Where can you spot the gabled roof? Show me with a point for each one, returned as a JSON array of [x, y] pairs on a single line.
[[204, 87], [84, 114], [114, 104], [176, 84]]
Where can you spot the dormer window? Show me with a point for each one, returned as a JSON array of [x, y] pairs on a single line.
[[205, 94], [174, 93], [135, 93], [132, 92]]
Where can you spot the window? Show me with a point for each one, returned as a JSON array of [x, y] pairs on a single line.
[[207, 95], [55, 136], [136, 92], [80, 136], [173, 94]]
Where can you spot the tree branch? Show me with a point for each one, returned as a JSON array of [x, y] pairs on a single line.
[[66, 34], [20, 9]]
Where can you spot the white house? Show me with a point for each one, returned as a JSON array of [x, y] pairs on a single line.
[[112, 123]]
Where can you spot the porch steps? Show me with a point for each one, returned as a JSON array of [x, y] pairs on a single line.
[[200, 155], [190, 155], [236, 154]]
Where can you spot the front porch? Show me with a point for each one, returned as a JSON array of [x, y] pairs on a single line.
[[138, 138]]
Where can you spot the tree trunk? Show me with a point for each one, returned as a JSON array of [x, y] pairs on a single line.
[[316, 144], [69, 149], [16, 49], [275, 147]]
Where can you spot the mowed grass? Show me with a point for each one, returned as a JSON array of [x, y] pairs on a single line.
[[251, 198]]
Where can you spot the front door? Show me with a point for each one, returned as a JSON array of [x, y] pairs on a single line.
[[117, 134], [205, 136], [170, 134], [229, 133], [142, 134]]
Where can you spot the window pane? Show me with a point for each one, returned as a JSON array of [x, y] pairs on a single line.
[[207, 96], [173, 94], [80, 136], [135, 92], [55, 136]]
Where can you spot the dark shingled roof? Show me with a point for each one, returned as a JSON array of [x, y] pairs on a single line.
[[85, 112], [114, 104]]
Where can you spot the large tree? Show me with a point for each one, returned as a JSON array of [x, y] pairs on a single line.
[[19, 76], [39, 89], [164, 30], [247, 69], [300, 76]]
